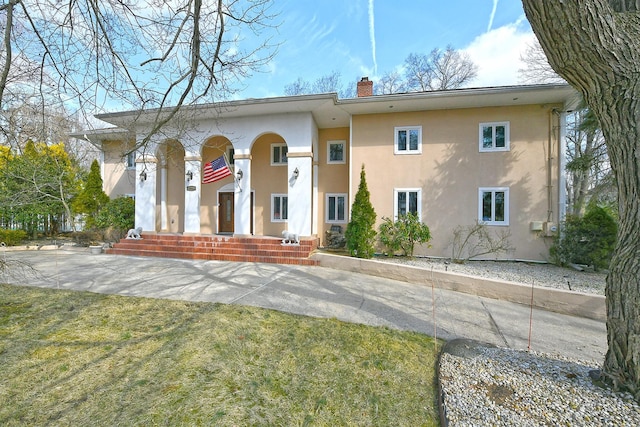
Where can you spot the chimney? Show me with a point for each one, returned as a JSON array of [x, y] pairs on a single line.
[[365, 87]]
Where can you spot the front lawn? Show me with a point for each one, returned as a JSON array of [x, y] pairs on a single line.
[[74, 358]]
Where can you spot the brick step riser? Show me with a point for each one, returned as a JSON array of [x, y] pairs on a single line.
[[214, 247], [253, 243]]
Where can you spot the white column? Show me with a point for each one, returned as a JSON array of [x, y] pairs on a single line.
[[164, 223], [300, 193], [145, 210], [192, 167], [242, 197]]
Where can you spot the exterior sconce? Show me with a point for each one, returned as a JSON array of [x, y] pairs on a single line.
[[296, 173], [239, 174], [143, 176], [189, 176]]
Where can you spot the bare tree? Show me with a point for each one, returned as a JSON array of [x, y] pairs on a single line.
[[148, 55], [536, 68], [299, 87], [588, 169], [331, 82], [391, 83], [440, 70], [595, 46]]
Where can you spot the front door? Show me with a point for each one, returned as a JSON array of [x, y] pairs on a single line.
[[225, 212]]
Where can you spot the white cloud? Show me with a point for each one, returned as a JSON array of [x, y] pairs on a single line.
[[497, 54]]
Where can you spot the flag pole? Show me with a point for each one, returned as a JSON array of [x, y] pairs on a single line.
[[235, 178]]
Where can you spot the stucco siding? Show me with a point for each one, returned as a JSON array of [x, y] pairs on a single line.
[[451, 169]]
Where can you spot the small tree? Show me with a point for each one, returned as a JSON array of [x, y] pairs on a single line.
[[117, 216], [587, 240], [360, 232], [403, 233], [92, 198]]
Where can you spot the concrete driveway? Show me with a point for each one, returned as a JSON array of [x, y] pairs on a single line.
[[314, 291]]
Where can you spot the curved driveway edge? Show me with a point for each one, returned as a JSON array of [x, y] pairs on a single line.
[[554, 300]]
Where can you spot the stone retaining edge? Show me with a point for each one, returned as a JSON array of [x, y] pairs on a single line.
[[550, 299]]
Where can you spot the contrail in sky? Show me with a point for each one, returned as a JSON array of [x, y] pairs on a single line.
[[372, 37], [493, 14]]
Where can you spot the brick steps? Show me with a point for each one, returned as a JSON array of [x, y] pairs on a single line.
[[219, 248]]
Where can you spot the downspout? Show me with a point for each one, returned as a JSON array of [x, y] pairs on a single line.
[[550, 167], [562, 165]]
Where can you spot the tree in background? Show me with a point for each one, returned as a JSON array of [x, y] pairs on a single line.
[[324, 84], [440, 70], [595, 46], [360, 233], [37, 187], [588, 171], [92, 197], [148, 55]]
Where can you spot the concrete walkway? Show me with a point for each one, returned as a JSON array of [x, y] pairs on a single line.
[[315, 291]]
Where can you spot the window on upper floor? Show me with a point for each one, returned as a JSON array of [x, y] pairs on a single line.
[[494, 136], [230, 152], [493, 205], [407, 200], [131, 160], [279, 208], [336, 208], [279, 154], [408, 140], [335, 152]]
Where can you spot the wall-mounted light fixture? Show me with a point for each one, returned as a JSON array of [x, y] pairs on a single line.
[[296, 173], [189, 175], [143, 176], [239, 174]]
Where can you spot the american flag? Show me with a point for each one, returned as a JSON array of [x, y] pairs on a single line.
[[216, 170]]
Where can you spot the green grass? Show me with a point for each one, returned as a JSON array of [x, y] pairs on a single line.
[[73, 358]]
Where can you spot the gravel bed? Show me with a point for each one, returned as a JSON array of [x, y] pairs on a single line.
[[504, 387], [538, 274]]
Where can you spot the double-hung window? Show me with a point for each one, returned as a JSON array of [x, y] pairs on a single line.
[[407, 200], [279, 208], [494, 136], [493, 205], [336, 208], [335, 152], [278, 154], [408, 140]]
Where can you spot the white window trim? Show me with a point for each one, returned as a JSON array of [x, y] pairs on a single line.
[[507, 137], [344, 152], [406, 190], [326, 209], [407, 151], [493, 206], [273, 196], [279, 144]]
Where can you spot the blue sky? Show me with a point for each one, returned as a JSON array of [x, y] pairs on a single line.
[[371, 37]]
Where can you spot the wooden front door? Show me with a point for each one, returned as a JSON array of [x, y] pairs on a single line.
[[225, 212]]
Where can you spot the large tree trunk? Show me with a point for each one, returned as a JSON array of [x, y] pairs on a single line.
[[595, 46]]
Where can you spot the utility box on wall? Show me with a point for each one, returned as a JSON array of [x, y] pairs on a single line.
[[535, 226], [550, 229]]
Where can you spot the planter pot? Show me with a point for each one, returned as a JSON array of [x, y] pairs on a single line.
[[95, 250]]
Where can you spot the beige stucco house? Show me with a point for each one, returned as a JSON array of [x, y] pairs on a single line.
[[493, 155]]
